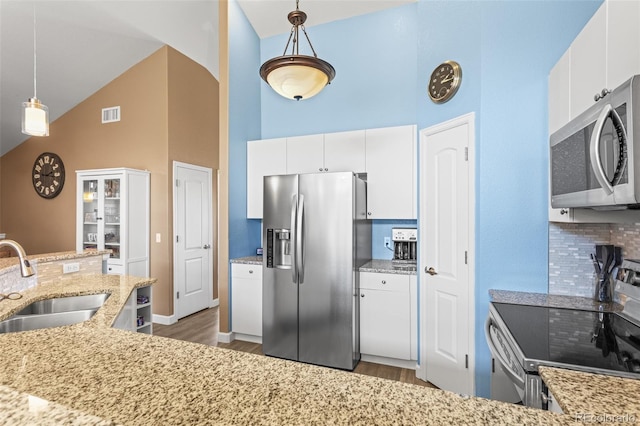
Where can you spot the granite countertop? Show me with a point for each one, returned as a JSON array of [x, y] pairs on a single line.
[[551, 300], [589, 394], [103, 375], [9, 263], [248, 260], [387, 267]]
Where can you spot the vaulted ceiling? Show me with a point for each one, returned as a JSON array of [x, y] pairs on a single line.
[[83, 45]]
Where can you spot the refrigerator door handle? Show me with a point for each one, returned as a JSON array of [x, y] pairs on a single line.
[[299, 251], [294, 233]]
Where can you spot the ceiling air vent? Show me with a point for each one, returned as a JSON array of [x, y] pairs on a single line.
[[110, 115]]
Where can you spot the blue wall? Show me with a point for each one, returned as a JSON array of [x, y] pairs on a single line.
[[383, 61], [506, 50], [244, 125]]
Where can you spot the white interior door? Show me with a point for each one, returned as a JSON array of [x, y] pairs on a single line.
[[193, 256], [446, 217]]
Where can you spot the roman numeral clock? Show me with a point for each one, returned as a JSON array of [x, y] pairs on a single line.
[[48, 175]]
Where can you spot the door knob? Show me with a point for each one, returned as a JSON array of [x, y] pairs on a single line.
[[206, 246], [430, 271]]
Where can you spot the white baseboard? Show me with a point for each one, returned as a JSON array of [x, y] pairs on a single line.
[[164, 319], [226, 337], [394, 362], [248, 338], [231, 336]]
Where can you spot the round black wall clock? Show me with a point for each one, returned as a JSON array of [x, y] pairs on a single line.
[[444, 81], [48, 175]]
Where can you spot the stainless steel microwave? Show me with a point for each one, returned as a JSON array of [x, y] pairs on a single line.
[[595, 160]]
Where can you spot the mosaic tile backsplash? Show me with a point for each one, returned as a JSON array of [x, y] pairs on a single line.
[[570, 245]]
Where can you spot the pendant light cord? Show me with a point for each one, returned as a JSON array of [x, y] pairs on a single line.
[[35, 93]]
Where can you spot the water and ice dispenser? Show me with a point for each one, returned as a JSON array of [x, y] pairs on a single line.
[[279, 248]]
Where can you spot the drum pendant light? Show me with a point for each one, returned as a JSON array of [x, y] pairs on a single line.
[[35, 115], [296, 76]]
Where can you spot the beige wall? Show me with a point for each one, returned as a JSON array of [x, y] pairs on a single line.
[[193, 126], [140, 140]]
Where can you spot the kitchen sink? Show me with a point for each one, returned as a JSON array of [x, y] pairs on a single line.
[[54, 312], [38, 321], [65, 304]]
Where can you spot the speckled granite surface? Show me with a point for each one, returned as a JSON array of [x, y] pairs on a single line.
[[137, 379], [386, 266], [593, 394], [551, 300], [10, 262], [248, 260]]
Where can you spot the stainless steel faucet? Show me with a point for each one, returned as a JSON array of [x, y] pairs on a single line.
[[25, 267]]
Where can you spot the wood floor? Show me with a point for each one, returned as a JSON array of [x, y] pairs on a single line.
[[202, 327]]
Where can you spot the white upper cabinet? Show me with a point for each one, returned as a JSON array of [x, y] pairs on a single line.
[[588, 62], [391, 172], [387, 155], [559, 93], [606, 53], [345, 151], [330, 152], [264, 158], [623, 41], [305, 154]]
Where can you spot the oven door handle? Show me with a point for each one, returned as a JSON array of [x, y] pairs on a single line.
[[506, 366]]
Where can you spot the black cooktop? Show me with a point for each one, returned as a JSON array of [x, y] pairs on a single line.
[[575, 338]]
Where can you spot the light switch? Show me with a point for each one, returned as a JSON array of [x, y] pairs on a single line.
[[158, 238]]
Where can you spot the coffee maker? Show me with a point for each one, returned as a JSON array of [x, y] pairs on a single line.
[[405, 246]]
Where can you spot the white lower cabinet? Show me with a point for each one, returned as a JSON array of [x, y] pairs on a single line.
[[136, 314], [386, 314], [246, 300]]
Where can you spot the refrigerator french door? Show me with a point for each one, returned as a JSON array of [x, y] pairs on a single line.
[[317, 235]]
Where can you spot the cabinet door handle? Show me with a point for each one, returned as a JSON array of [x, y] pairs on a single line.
[[369, 213], [361, 294], [250, 271], [564, 211], [326, 170], [320, 169], [384, 282]]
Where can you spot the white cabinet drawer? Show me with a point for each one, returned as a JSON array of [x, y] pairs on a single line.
[[115, 269], [381, 281], [239, 270]]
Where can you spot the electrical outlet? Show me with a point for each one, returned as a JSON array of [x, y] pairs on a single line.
[[387, 242], [158, 237], [68, 268]]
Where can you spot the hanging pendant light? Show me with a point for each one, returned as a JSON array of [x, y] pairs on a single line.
[[35, 115], [297, 76]]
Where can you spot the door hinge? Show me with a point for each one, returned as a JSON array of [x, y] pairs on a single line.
[[177, 239], [493, 365], [177, 182], [178, 295], [466, 153], [465, 257], [466, 361]]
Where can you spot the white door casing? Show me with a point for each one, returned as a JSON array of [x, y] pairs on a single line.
[[447, 245], [193, 254]]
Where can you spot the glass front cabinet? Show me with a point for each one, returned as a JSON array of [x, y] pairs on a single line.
[[113, 214]]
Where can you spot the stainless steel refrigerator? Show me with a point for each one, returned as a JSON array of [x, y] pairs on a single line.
[[316, 235]]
